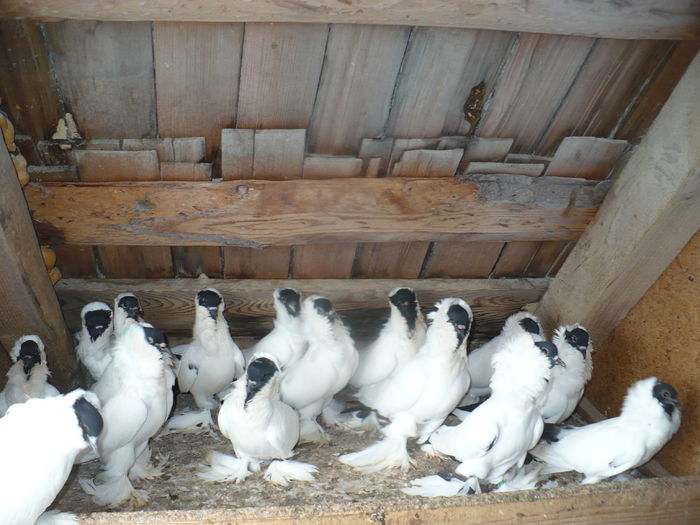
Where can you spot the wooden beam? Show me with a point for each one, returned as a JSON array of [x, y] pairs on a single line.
[[647, 218], [646, 19], [259, 213], [362, 303], [29, 304]]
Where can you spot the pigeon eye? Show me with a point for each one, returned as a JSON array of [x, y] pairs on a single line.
[[573, 339], [666, 395]]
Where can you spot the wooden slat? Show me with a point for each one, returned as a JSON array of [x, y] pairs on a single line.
[[124, 262], [105, 74], [248, 263], [467, 260], [237, 153], [130, 144], [323, 261], [163, 147], [192, 261], [75, 261], [401, 145], [440, 68], [185, 171], [357, 83], [545, 257], [279, 154], [481, 149], [105, 166], [390, 260], [531, 170], [536, 78], [514, 259], [249, 308], [330, 167], [376, 149], [258, 213], [28, 90], [197, 74], [608, 81], [29, 302], [280, 71], [190, 149], [428, 163], [645, 221], [53, 173], [586, 157]]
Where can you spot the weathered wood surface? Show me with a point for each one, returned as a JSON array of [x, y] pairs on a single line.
[[109, 166], [192, 261], [184, 171], [675, 19], [513, 168], [258, 213], [75, 260], [279, 154], [649, 215], [542, 262], [323, 261], [248, 263], [237, 153], [514, 258], [468, 260], [169, 304], [587, 157], [384, 260], [331, 167], [150, 262], [428, 163]]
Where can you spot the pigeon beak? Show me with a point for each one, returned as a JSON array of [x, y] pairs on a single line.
[[251, 388], [558, 361], [213, 312], [93, 445], [582, 349]]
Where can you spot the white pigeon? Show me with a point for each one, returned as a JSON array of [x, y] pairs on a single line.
[[212, 360], [96, 338], [325, 368], [286, 341], [127, 311], [567, 383], [497, 434], [136, 395], [398, 341], [480, 367], [261, 427], [421, 394], [651, 415], [39, 441], [27, 377]]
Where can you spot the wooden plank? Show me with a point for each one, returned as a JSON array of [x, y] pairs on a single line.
[[163, 147], [531, 170], [279, 154], [608, 81], [481, 149], [374, 168], [250, 310], [104, 166], [323, 261], [280, 70], [29, 302], [28, 90], [116, 144], [646, 220], [105, 74], [535, 79], [197, 74], [259, 213], [124, 262], [376, 148], [546, 255], [192, 261], [330, 167], [53, 173], [440, 68], [514, 259], [356, 86], [401, 145], [191, 149], [390, 260], [248, 263], [75, 261], [586, 157], [428, 163], [237, 153], [465, 260], [562, 258], [185, 171]]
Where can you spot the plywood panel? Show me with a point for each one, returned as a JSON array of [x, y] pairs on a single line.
[[586, 157], [75, 261], [248, 263], [279, 154], [428, 163], [105, 74], [197, 74], [148, 262], [329, 167], [535, 80], [103, 166], [237, 153], [356, 87], [463, 259], [390, 260], [192, 261], [280, 70], [514, 259], [323, 261]]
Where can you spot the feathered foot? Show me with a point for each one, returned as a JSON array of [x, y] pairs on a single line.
[[189, 422], [430, 451], [389, 453], [282, 472], [144, 469], [433, 487], [113, 491], [224, 467], [55, 517], [312, 432]]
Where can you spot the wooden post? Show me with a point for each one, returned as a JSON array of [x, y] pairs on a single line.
[[29, 303], [648, 216]]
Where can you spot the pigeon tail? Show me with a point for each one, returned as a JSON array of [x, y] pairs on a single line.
[[189, 422], [282, 472]]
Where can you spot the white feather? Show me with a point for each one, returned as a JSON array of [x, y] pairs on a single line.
[[54, 517], [282, 472], [224, 467], [189, 421], [434, 486]]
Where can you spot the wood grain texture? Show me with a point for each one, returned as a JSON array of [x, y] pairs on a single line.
[[390, 260], [535, 79], [28, 90], [75, 261], [544, 258], [330, 167], [107, 166], [279, 154], [531, 170], [29, 302], [185, 171], [197, 75], [162, 146], [248, 263], [480, 149], [586, 157], [609, 80], [280, 71], [323, 261], [465, 260], [124, 262], [428, 163], [259, 213], [356, 86], [376, 149], [192, 261], [53, 173], [105, 75], [514, 259], [237, 153], [648, 217], [189, 149]]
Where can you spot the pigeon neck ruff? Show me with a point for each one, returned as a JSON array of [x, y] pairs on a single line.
[[520, 366]]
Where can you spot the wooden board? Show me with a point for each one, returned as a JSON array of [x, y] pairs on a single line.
[[323, 261], [52, 173], [280, 70], [248, 263], [466, 260], [105, 166], [514, 259], [279, 154], [648, 217], [190, 149], [75, 261], [163, 147], [536, 78], [546, 255], [376, 149], [531, 170], [586, 157], [237, 153], [197, 74], [481, 149], [362, 302], [185, 171], [258, 213], [105, 75], [356, 86], [330, 167], [123, 262], [428, 163], [192, 261], [390, 260], [129, 144]]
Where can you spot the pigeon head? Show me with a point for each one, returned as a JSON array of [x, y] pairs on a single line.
[[210, 300], [404, 299], [96, 322], [131, 306], [578, 338], [89, 419], [155, 337], [324, 308], [30, 355], [290, 299], [550, 350], [259, 373], [460, 320], [667, 396], [531, 326]]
